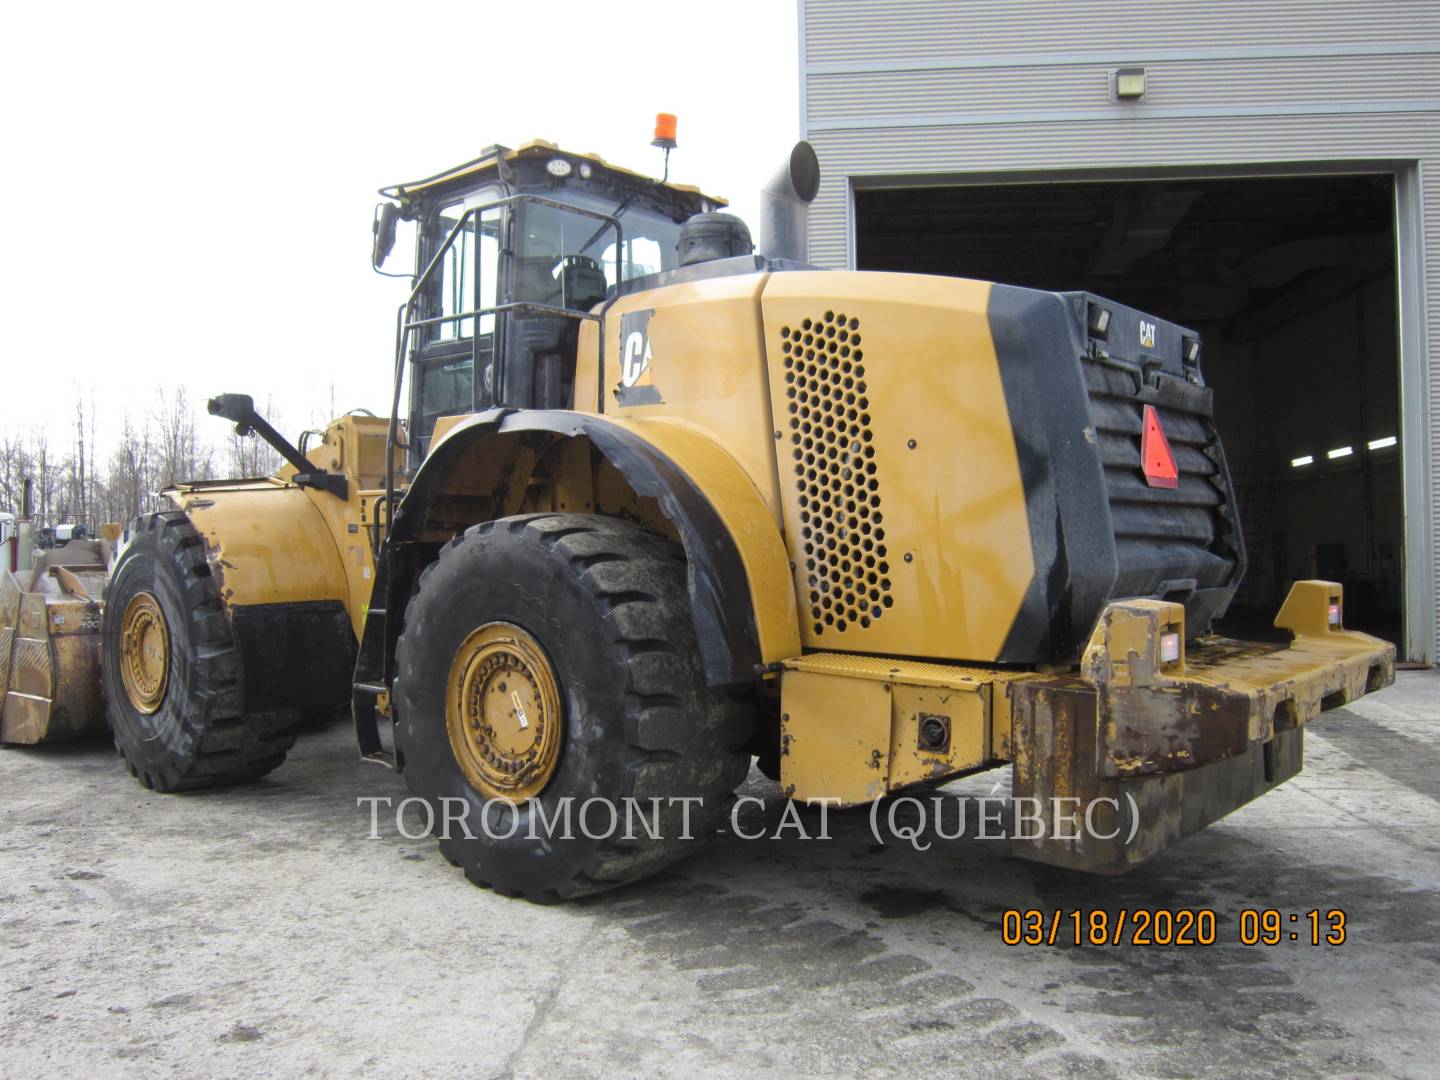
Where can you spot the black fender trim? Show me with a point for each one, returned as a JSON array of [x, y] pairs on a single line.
[[1071, 534], [719, 586], [1081, 562], [293, 656]]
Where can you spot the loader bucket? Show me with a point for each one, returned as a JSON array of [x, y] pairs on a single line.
[[50, 645]]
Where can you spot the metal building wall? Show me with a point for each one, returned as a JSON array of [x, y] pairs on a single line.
[[930, 91]]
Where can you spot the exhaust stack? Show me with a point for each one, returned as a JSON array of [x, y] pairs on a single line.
[[785, 206]]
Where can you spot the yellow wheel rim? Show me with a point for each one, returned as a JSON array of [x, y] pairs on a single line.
[[502, 711], [144, 652]]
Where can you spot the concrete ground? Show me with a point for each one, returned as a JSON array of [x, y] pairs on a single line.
[[258, 931]]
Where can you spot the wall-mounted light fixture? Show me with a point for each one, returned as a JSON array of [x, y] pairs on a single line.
[[1128, 83]]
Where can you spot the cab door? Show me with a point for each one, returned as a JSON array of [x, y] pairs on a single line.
[[453, 359]]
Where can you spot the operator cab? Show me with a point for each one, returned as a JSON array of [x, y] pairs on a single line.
[[513, 251]]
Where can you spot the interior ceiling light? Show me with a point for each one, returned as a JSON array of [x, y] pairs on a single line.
[[1339, 452], [1296, 463], [1381, 444]]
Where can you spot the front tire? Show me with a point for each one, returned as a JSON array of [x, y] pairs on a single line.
[[171, 668], [583, 623]]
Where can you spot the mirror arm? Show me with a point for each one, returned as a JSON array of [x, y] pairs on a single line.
[[240, 410]]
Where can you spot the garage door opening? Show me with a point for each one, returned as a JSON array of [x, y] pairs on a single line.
[[1291, 284]]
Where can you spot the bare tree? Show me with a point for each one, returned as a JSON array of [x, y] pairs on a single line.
[[47, 475], [79, 493], [250, 455], [92, 484], [180, 454], [14, 467], [94, 474], [130, 486], [29, 456]]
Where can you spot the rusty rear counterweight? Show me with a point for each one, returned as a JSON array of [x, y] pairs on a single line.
[[1171, 746], [1141, 749]]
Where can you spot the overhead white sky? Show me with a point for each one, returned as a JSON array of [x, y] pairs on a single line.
[[187, 189]]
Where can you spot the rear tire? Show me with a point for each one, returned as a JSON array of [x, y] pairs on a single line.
[[608, 604], [177, 722]]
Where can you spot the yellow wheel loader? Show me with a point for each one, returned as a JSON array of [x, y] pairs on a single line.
[[649, 505]]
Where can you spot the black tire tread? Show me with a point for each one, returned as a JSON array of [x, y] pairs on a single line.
[[679, 734], [226, 746]]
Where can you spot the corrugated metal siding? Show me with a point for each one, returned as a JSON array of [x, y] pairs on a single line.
[[870, 97], [866, 31], [943, 90], [1055, 146]]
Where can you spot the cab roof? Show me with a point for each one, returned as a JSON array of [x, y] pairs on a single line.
[[492, 156]]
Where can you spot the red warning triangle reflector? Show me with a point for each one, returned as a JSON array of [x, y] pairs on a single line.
[[1155, 456]]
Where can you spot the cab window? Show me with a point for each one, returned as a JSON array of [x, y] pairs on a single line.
[[475, 253], [642, 256], [552, 268], [465, 280], [567, 255]]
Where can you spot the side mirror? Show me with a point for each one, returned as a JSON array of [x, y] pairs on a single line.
[[383, 230], [237, 408]]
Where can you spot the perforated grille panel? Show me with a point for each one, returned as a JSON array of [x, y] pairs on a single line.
[[832, 447]]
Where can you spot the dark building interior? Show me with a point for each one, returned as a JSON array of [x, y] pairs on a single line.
[[1291, 284]]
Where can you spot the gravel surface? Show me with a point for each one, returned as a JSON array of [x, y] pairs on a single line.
[[260, 931]]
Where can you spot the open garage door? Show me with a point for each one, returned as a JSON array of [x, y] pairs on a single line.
[[1291, 283]]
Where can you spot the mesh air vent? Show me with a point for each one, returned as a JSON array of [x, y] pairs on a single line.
[[833, 454]]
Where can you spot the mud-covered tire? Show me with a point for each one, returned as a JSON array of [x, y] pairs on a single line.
[[609, 604], [196, 737]]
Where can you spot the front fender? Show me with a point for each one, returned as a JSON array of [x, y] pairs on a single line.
[[283, 583]]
